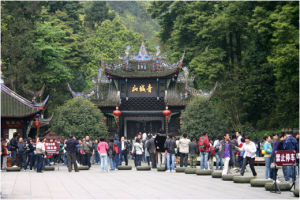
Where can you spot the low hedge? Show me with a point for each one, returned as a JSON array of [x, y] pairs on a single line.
[[49, 168], [216, 174], [83, 167], [259, 182], [296, 192], [13, 169], [143, 168], [126, 167], [190, 170], [282, 186], [228, 177], [180, 169], [203, 172], [242, 179], [161, 169]]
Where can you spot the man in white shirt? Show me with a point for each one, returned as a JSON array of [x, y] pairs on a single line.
[[249, 155], [183, 145], [238, 137], [144, 137], [40, 151]]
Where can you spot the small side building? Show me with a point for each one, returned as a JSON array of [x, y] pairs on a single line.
[[18, 113]]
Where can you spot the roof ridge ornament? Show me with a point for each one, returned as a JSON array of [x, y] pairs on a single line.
[[35, 94], [143, 55], [157, 51], [83, 94], [143, 50], [195, 92]]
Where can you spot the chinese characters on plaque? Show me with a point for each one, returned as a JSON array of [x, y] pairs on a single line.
[[285, 158], [142, 88], [52, 147]]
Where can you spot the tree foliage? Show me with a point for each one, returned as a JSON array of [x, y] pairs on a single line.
[[250, 48], [79, 117], [201, 115], [59, 42]]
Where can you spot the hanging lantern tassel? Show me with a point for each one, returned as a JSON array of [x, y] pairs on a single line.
[[167, 119], [117, 120], [36, 123]]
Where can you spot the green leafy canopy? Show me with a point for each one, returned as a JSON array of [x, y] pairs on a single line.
[[79, 117]]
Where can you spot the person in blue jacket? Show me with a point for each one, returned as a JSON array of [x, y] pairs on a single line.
[[268, 152], [117, 156], [290, 143]]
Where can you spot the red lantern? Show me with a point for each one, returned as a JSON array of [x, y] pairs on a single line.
[[117, 113], [167, 112], [36, 123]]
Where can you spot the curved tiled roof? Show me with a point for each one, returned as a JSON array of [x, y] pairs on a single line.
[[15, 106]]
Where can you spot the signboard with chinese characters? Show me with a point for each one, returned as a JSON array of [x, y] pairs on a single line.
[[52, 147], [285, 158], [14, 124], [140, 89]]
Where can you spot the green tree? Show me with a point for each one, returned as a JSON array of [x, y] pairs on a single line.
[[135, 17], [51, 68], [79, 117], [285, 59], [111, 39], [18, 54], [250, 48], [95, 13], [201, 115]]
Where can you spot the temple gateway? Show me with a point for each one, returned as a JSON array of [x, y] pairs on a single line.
[[142, 86]]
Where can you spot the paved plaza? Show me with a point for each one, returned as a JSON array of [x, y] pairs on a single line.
[[93, 184]]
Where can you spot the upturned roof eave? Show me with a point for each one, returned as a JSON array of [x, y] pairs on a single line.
[[35, 108]]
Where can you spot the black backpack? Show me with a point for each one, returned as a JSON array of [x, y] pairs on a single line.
[[9, 146]]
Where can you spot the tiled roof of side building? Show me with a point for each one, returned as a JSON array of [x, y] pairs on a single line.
[[15, 106]]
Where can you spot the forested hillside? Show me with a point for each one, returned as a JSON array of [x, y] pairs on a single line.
[[59, 42], [135, 17], [250, 48]]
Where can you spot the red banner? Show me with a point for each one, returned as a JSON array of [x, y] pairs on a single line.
[[285, 158], [52, 147]]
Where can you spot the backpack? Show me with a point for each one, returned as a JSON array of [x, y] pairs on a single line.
[[217, 147], [115, 149], [201, 145], [212, 151], [9, 146], [110, 151]]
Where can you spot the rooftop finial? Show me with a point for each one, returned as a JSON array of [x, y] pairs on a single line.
[[157, 50], [142, 50], [143, 56]]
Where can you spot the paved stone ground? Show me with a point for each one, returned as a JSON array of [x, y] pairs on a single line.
[[94, 184]]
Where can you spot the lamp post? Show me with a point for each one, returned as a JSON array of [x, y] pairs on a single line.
[[166, 113], [117, 113]]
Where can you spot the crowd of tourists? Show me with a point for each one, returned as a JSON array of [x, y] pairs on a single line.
[[231, 152]]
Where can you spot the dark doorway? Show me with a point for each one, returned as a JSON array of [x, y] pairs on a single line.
[[133, 127]]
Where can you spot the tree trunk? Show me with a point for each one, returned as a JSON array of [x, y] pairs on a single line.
[[238, 47], [231, 50]]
